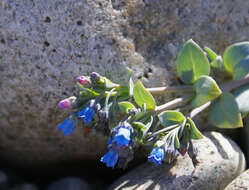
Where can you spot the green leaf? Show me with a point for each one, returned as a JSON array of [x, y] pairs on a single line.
[[113, 113], [88, 93], [241, 95], [125, 106], [210, 54], [128, 74], [149, 122], [139, 128], [142, 116], [168, 118], [192, 63], [109, 84], [176, 141], [194, 132], [234, 53], [241, 69], [206, 90], [123, 93], [142, 96], [224, 112]]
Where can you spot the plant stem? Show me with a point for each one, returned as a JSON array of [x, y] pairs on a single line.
[[226, 87], [172, 103], [163, 130], [196, 111], [229, 86], [162, 90]]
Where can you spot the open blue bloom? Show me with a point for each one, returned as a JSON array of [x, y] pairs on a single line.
[[156, 156], [122, 137], [67, 126], [87, 114], [110, 158]]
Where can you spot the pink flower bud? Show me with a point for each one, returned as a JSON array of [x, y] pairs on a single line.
[[67, 103], [83, 80]]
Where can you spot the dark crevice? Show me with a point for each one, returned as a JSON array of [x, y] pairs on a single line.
[[47, 19]]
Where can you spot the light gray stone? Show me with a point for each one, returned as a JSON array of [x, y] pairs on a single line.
[[240, 183], [221, 160], [45, 45]]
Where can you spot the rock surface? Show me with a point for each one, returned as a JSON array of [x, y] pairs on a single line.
[[3, 180], [69, 183], [45, 45], [240, 183], [220, 158]]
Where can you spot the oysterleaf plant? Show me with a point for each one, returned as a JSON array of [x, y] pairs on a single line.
[[129, 115]]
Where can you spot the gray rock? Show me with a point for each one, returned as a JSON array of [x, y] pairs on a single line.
[[244, 137], [45, 45], [240, 183], [221, 160], [24, 187], [69, 183], [3, 180]]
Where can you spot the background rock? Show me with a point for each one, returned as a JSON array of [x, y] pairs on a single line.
[[220, 158], [69, 183], [241, 182], [45, 45], [3, 180]]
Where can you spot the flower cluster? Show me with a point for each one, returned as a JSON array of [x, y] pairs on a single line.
[[85, 113], [106, 107], [128, 111], [119, 146]]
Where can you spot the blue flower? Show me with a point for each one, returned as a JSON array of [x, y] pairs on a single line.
[[156, 156], [87, 114], [122, 137], [110, 158], [67, 126]]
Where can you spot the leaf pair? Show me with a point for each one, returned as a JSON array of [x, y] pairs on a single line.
[[170, 118]]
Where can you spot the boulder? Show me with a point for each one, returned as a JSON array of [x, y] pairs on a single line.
[[221, 160], [45, 45], [240, 182], [69, 183]]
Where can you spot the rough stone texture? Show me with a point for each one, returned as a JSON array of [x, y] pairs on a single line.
[[24, 187], [244, 137], [69, 183], [220, 158], [45, 45], [3, 180], [240, 183]]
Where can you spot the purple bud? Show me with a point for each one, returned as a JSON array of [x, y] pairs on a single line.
[[95, 76], [83, 80], [67, 103], [133, 111]]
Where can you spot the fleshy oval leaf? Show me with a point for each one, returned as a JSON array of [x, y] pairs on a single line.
[[194, 131], [241, 69], [210, 54], [234, 53], [125, 106], [224, 112], [206, 89], [241, 95], [169, 117], [142, 96], [192, 62]]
